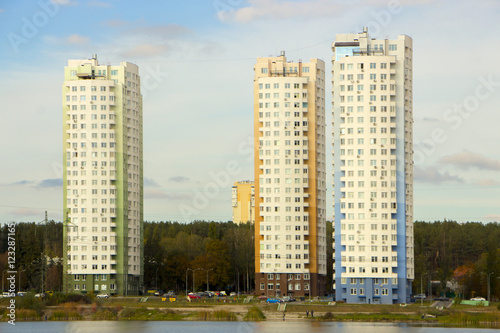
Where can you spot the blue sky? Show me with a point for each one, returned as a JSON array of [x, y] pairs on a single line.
[[196, 61]]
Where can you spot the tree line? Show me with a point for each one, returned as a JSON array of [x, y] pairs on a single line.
[[463, 254]]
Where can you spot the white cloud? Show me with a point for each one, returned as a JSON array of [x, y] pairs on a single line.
[[492, 217], [24, 212], [488, 182], [74, 39], [77, 39], [434, 176], [64, 2], [116, 23], [99, 4], [467, 160], [285, 9], [146, 50]]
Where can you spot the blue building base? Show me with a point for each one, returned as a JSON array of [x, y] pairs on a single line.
[[373, 291]]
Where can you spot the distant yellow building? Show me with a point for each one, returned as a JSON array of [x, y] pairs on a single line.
[[243, 202]]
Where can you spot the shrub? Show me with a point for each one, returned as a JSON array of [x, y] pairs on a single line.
[[128, 313], [65, 315], [219, 315], [78, 298], [27, 314], [328, 316], [254, 314], [30, 302], [104, 314]]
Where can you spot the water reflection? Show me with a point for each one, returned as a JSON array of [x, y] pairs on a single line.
[[289, 326]]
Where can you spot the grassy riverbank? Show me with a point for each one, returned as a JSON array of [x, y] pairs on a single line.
[[131, 308]]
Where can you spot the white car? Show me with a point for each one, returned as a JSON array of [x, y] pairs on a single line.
[[478, 299], [103, 296]]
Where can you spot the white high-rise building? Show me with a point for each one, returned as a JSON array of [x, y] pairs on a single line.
[[103, 178], [289, 139], [373, 168]]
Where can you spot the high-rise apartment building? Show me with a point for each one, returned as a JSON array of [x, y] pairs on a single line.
[[289, 138], [243, 202], [373, 169], [103, 178]]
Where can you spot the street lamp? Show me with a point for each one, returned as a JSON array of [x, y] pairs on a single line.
[[430, 285], [489, 285], [3, 289], [196, 269], [208, 270], [421, 290], [189, 269], [238, 290], [20, 279]]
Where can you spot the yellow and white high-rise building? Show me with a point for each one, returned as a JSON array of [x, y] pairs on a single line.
[[289, 139], [103, 178], [243, 202], [373, 168]]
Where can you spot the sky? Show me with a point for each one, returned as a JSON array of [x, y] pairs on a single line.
[[196, 62]]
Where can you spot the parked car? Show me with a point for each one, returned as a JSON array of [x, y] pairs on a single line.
[[478, 299], [102, 296], [232, 293], [441, 299], [420, 296], [273, 300], [194, 296], [21, 293], [262, 297], [41, 295]]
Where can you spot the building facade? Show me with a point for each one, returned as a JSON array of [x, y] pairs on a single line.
[[373, 169], [289, 140], [103, 178], [243, 202]]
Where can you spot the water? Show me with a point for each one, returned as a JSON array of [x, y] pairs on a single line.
[[226, 327]]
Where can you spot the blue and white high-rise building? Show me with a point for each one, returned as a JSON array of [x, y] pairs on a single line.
[[373, 169]]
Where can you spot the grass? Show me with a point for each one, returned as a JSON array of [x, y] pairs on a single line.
[[146, 314], [368, 317], [219, 315], [472, 319], [65, 315], [105, 314], [129, 308]]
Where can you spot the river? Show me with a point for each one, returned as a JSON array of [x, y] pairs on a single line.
[[225, 327]]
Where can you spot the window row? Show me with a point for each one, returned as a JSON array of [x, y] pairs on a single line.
[[361, 76], [373, 65], [276, 114], [276, 105]]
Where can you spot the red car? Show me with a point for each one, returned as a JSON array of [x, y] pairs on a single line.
[[193, 296]]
